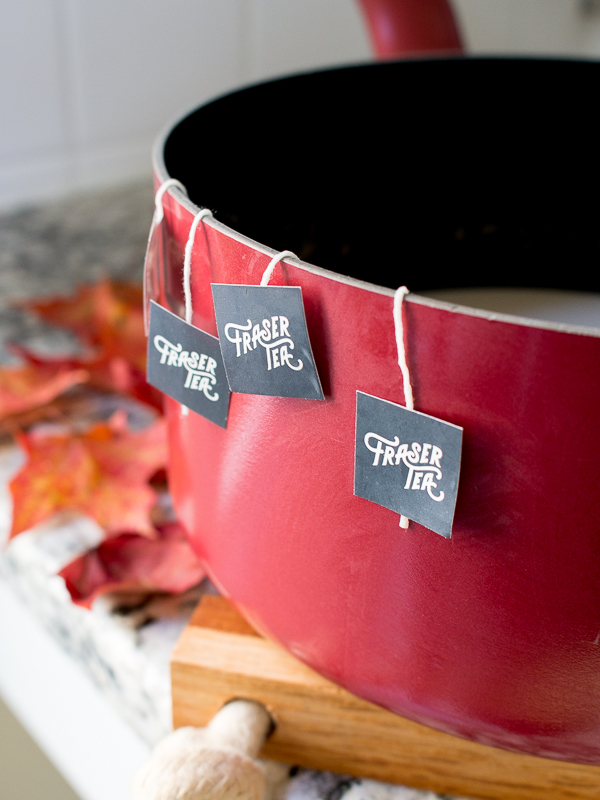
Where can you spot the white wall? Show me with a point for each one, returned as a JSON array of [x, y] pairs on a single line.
[[558, 27], [85, 85]]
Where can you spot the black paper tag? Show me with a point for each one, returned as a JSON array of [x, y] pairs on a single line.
[[407, 461], [185, 363], [264, 341]]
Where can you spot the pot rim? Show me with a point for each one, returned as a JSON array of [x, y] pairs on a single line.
[[160, 172]]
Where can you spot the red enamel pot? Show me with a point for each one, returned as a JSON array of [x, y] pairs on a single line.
[[465, 172]]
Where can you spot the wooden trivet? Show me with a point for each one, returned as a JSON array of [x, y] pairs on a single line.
[[219, 657]]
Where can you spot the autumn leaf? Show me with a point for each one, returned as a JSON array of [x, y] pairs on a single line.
[[118, 374], [110, 374], [131, 563], [24, 388], [108, 318], [74, 313], [102, 473], [104, 315], [76, 409]]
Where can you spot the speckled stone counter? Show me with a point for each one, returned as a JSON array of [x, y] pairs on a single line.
[[49, 250]]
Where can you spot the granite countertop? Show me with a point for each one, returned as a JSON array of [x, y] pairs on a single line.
[[45, 251], [49, 250]]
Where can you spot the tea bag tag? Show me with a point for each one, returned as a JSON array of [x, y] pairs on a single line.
[[186, 364], [407, 461], [264, 339], [404, 460]]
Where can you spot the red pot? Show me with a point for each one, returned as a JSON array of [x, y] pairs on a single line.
[[433, 174]]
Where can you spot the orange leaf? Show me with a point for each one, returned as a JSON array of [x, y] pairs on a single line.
[[110, 374], [103, 473], [74, 313], [134, 563], [24, 388], [107, 315], [118, 374]]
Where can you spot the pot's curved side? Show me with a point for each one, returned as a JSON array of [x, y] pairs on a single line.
[[491, 635]]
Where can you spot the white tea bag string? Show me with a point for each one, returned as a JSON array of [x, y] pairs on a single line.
[[159, 212], [267, 274], [402, 362], [187, 262], [187, 274], [157, 218]]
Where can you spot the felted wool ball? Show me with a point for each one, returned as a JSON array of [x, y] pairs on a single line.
[[185, 767]]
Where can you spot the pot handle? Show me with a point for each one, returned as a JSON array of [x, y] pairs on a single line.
[[408, 27]]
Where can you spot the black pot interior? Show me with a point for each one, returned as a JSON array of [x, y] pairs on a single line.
[[449, 173]]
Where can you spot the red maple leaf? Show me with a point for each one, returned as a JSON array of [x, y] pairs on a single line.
[[108, 318], [131, 563], [24, 388], [108, 373], [102, 472], [105, 315]]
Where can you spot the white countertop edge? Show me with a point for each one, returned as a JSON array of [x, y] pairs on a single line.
[[96, 751]]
